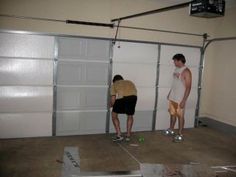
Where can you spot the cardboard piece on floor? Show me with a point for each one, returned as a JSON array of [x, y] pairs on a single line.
[[71, 162], [163, 170]]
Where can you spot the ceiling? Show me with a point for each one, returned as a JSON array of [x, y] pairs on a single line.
[[228, 3]]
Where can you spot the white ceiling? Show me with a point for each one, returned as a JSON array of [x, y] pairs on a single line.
[[228, 3]]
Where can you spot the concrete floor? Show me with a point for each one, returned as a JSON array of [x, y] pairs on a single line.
[[40, 157]]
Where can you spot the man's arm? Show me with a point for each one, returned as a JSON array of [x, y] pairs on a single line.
[[113, 95], [187, 77]]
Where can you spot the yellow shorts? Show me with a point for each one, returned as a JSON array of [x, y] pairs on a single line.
[[175, 110]]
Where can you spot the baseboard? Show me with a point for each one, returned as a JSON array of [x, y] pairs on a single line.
[[221, 126]]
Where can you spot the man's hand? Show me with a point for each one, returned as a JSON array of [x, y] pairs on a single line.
[[182, 104], [111, 104]]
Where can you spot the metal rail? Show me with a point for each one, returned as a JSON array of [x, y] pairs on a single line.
[[110, 25], [208, 42], [178, 6]]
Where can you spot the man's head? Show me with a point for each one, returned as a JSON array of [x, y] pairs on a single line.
[[179, 59], [117, 78]]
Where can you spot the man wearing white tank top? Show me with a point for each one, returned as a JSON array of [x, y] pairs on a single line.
[[178, 95]]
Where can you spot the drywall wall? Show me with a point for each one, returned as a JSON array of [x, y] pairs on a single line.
[[218, 98], [218, 94], [103, 11]]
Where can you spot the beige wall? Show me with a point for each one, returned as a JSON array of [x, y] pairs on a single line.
[[219, 84], [218, 95], [103, 11]]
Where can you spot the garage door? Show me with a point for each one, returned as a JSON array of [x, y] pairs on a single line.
[[82, 86]]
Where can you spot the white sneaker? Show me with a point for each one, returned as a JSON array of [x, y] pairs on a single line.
[[178, 138], [117, 139], [127, 138], [169, 132]]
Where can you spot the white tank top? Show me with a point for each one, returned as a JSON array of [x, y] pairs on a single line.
[[178, 86]]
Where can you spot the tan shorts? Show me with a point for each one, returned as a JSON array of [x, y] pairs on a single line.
[[175, 110]]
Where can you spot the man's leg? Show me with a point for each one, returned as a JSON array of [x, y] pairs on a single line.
[[172, 110], [172, 122], [179, 137], [180, 115], [130, 103], [116, 123], [181, 124], [130, 121]]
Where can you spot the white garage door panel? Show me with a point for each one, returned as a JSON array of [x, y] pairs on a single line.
[[162, 98], [82, 85], [166, 75], [26, 79], [67, 122], [25, 125], [192, 99], [146, 99], [135, 52], [83, 98], [162, 119], [26, 72], [74, 123], [192, 55], [30, 46], [71, 48], [189, 118], [142, 121], [25, 99], [140, 74], [82, 73], [138, 62], [83, 49], [98, 49], [195, 75], [93, 122]]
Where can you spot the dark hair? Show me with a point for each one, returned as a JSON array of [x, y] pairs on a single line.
[[117, 78], [179, 57]]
